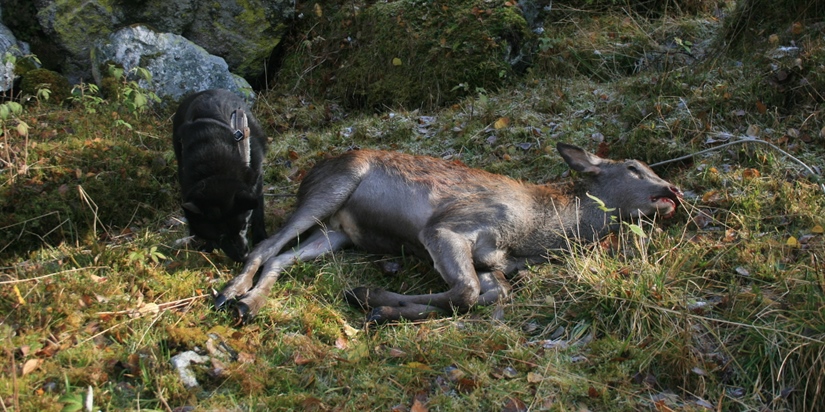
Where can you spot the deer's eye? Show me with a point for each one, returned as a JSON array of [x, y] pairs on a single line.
[[635, 171]]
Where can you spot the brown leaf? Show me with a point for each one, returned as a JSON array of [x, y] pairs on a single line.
[[31, 365], [466, 385], [301, 360], [533, 377], [593, 392], [504, 373], [761, 108], [750, 173], [244, 357], [662, 407], [341, 343], [420, 402], [514, 405], [47, 351], [397, 353], [313, 404]]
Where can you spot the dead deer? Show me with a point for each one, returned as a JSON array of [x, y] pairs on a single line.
[[474, 226]]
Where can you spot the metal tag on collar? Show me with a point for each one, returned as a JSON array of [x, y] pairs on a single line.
[[239, 129]]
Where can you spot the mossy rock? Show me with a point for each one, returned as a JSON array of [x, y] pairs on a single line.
[[37, 79], [405, 53]]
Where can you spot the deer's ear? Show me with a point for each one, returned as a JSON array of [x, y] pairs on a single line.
[[579, 159]]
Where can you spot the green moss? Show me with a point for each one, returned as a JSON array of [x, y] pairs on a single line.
[[76, 22], [408, 53], [36, 79]]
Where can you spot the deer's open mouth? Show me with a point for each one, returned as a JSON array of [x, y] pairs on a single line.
[[666, 205]]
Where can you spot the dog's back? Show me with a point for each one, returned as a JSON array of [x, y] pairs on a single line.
[[220, 178]]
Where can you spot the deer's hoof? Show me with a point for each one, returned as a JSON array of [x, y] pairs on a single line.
[[358, 297], [220, 301], [383, 314], [243, 313]]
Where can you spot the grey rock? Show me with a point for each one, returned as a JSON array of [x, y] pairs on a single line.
[[243, 32], [178, 66], [9, 44]]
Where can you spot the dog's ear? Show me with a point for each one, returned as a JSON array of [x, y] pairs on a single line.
[[192, 208], [245, 200]]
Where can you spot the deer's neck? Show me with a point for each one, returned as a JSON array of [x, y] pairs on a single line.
[[565, 214]]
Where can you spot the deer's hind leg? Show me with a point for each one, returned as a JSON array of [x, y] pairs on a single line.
[[388, 306], [452, 257]]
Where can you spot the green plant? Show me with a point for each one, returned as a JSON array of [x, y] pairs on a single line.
[[135, 98], [10, 118], [87, 95]]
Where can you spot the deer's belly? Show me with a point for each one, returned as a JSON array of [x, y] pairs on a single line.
[[379, 230]]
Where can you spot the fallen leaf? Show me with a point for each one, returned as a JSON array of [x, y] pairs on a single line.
[[341, 343], [244, 357], [397, 353], [501, 123], [750, 173], [514, 405], [817, 230], [466, 385], [533, 377], [792, 242], [420, 402], [30, 366], [711, 196], [418, 365], [761, 108], [19, 296], [504, 373], [301, 360], [662, 407], [396, 61], [593, 392], [753, 131]]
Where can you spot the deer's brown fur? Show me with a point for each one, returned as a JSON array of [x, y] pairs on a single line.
[[474, 226]]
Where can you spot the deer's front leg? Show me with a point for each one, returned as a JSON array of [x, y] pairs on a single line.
[[320, 242]]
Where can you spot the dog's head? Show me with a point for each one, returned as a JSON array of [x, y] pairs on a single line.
[[218, 210]]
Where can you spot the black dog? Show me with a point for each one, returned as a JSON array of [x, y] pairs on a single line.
[[219, 169]]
